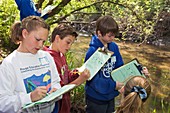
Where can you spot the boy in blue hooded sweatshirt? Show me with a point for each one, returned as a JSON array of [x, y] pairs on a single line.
[[101, 90], [27, 8]]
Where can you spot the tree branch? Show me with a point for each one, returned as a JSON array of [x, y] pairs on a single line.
[[40, 2], [99, 2], [58, 8], [49, 3]]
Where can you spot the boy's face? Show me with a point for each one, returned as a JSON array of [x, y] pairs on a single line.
[[34, 40], [107, 38], [64, 44]]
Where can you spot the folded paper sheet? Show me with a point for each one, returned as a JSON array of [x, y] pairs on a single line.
[[125, 72], [52, 96], [46, 10], [95, 62]]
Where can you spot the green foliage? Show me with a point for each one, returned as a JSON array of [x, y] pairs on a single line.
[[136, 20], [77, 94], [70, 60], [7, 17]]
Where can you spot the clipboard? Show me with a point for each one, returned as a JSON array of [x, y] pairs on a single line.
[[96, 61], [52, 96], [128, 70]]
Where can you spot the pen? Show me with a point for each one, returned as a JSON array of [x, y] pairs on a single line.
[[76, 72]]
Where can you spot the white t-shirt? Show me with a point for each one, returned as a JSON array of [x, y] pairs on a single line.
[[21, 73]]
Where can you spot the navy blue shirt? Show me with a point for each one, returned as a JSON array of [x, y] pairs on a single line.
[[102, 87]]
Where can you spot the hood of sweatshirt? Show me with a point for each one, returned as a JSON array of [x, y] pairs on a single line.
[[95, 42]]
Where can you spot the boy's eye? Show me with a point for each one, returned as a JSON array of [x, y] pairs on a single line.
[[69, 42], [37, 39], [43, 42], [111, 35]]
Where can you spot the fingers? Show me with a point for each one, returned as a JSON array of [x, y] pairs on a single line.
[[38, 93], [52, 90], [119, 85], [86, 73], [145, 72], [121, 90]]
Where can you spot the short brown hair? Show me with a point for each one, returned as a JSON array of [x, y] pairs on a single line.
[[63, 30], [106, 24]]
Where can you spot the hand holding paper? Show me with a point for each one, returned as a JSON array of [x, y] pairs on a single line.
[[95, 62], [39, 93], [52, 96]]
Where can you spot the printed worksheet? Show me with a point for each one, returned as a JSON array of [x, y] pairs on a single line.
[[95, 62], [125, 72]]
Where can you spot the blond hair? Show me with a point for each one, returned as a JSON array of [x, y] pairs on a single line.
[[29, 23], [132, 102]]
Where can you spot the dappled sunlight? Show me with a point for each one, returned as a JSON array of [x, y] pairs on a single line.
[[157, 60]]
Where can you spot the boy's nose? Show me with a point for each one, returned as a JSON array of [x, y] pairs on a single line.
[[40, 44]]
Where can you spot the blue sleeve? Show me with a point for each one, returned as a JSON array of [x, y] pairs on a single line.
[[45, 17], [28, 8], [18, 2]]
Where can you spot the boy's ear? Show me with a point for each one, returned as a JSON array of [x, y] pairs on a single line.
[[57, 38], [99, 33], [24, 33]]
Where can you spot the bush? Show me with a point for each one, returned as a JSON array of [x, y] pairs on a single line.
[[8, 14]]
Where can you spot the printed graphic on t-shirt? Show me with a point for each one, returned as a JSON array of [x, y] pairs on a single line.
[[64, 74], [32, 82], [43, 63], [109, 66]]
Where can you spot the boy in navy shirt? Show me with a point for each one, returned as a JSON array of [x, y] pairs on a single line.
[[101, 90]]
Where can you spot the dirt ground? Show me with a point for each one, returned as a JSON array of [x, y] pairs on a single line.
[[148, 55], [156, 59]]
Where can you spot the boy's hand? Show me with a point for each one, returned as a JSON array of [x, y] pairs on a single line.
[[145, 72], [38, 93], [52, 90], [121, 90], [119, 85], [85, 74], [82, 77], [39, 10]]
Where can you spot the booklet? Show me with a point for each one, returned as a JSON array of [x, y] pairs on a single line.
[[52, 96], [125, 72], [96, 61], [46, 10]]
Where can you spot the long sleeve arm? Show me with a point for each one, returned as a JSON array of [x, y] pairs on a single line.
[[27, 8], [11, 101]]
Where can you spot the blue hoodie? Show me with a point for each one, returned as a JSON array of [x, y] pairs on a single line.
[[102, 88], [27, 8]]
